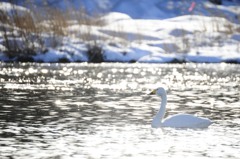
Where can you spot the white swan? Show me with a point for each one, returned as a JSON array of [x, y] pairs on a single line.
[[178, 120]]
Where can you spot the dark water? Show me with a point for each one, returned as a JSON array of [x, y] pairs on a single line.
[[65, 111]]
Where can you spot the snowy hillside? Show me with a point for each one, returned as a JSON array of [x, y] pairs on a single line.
[[144, 9], [151, 31]]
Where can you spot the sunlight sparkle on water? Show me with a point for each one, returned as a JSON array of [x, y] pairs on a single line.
[[72, 111]]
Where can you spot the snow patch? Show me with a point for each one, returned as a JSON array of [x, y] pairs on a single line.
[[114, 16]]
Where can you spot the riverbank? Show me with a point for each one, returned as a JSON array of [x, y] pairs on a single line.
[[117, 37]]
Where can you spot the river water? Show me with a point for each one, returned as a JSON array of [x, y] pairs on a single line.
[[72, 111]]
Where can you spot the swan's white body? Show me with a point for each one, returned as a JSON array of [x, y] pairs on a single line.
[[176, 121]]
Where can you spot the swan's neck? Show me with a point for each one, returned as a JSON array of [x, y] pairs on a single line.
[[162, 109], [157, 121]]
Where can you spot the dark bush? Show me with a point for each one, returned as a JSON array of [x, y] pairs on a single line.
[[25, 59], [95, 54], [218, 2], [64, 60]]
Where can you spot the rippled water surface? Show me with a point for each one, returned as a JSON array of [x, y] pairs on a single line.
[[65, 111]]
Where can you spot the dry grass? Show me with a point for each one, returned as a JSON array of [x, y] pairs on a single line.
[[212, 33], [25, 34]]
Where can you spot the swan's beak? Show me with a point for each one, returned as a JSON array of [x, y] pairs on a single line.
[[152, 92]]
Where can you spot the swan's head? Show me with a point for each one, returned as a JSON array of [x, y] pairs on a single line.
[[159, 91]]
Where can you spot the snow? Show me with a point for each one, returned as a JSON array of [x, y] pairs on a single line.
[[203, 58], [50, 56], [8, 8], [70, 52], [152, 32], [11, 10], [115, 16], [160, 58]]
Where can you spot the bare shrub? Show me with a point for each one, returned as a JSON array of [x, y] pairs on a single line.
[[25, 35], [18, 32], [95, 53]]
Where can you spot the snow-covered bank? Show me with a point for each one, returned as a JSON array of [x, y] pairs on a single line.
[[182, 38]]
